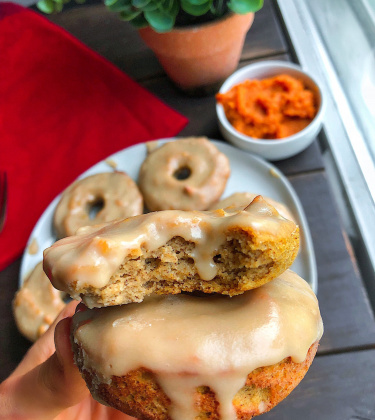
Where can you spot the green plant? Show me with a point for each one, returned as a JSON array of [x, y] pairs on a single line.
[[162, 15]]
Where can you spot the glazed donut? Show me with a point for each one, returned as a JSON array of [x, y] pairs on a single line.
[[243, 199], [115, 191], [37, 304], [186, 174], [171, 251], [210, 357]]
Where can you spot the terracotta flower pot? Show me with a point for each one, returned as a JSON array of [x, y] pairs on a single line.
[[199, 58]]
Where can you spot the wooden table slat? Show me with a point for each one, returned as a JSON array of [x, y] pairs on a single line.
[[345, 308], [114, 39], [265, 37], [337, 387]]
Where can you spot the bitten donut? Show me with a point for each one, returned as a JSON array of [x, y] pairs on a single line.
[[115, 192], [186, 174], [170, 251], [189, 357], [37, 304], [243, 199]]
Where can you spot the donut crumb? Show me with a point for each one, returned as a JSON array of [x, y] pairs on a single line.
[[111, 163]]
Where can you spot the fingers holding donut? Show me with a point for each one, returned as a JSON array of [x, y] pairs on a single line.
[[44, 347], [46, 381]]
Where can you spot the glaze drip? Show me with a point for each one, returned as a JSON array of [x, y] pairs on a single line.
[[213, 341], [92, 256]]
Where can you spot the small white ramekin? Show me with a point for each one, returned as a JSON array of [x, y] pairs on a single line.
[[278, 148]]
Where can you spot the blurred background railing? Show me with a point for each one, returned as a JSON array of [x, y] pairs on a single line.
[[335, 40]]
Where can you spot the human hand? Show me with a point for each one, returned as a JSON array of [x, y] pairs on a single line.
[[47, 385]]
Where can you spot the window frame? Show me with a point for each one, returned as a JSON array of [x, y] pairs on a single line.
[[350, 157]]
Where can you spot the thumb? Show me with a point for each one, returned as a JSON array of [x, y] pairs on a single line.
[[44, 347], [52, 386], [59, 375]]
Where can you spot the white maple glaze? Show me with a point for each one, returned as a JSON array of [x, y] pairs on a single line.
[[206, 177], [94, 254], [36, 304], [242, 199], [214, 341], [118, 192]]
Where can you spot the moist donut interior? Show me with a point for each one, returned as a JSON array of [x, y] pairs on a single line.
[[242, 264], [94, 207], [182, 173]]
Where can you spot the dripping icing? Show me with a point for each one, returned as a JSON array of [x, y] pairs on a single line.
[[92, 256], [214, 341]]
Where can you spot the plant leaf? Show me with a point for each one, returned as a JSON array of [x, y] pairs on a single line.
[[140, 4], [195, 10], [165, 5], [170, 6], [129, 15], [58, 6], [175, 8], [245, 6], [160, 21], [171, 3], [120, 5], [109, 2], [46, 6], [151, 7], [139, 21], [196, 2]]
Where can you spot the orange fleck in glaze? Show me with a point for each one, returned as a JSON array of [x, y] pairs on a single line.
[[271, 108], [103, 246]]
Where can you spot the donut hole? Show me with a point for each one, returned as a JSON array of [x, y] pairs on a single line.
[[94, 207], [182, 173]]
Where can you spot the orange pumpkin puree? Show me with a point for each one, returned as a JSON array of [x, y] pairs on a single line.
[[271, 108]]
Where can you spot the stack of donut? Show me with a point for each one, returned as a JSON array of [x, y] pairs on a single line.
[[114, 195], [194, 313], [189, 314], [188, 174]]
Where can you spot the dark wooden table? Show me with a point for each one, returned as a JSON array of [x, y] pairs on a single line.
[[341, 382]]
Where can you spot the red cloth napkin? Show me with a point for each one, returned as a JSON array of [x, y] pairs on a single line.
[[62, 109]]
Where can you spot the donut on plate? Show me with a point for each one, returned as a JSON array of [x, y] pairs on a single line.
[[115, 195], [243, 199], [185, 174], [37, 304], [171, 251], [213, 357]]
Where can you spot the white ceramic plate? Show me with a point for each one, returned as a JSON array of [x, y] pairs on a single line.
[[248, 174]]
